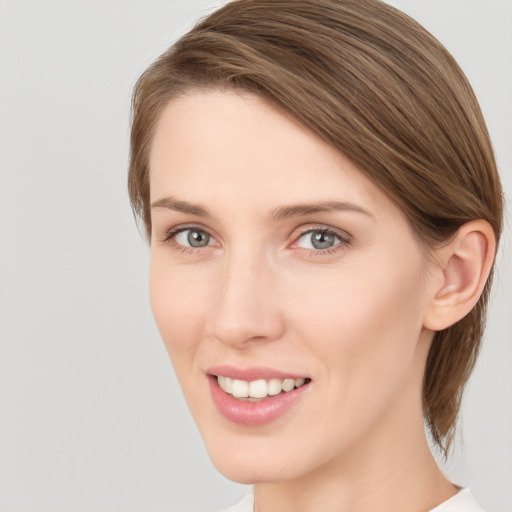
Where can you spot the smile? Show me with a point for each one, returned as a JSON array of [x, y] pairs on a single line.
[[258, 389], [257, 396]]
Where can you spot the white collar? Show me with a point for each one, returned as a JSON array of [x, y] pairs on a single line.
[[463, 501]]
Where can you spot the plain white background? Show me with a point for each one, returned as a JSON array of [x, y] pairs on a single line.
[[91, 417]]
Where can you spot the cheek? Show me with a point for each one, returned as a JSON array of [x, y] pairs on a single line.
[[362, 322], [361, 332], [177, 301]]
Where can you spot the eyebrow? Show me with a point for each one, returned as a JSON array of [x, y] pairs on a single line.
[[299, 210], [280, 213], [181, 206]]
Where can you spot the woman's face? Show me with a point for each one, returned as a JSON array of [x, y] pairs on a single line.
[[276, 262]]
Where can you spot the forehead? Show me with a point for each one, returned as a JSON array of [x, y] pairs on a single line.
[[235, 146]]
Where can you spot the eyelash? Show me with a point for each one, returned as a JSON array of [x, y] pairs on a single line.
[[344, 240], [170, 236]]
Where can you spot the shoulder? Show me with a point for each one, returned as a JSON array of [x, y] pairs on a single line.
[[463, 501]]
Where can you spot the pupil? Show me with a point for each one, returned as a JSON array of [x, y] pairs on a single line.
[[197, 238], [322, 240]]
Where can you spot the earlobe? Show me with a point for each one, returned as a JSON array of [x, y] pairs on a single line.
[[463, 266]]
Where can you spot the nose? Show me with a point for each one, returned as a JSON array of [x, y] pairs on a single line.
[[247, 308]]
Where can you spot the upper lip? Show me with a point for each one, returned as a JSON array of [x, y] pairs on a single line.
[[252, 373]]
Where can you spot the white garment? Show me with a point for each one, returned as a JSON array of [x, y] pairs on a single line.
[[463, 501]]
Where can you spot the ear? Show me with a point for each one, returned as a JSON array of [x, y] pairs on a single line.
[[460, 273]]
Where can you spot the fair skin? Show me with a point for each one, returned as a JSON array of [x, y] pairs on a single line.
[[341, 295]]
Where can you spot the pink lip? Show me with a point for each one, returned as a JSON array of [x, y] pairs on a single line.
[[253, 414], [250, 374]]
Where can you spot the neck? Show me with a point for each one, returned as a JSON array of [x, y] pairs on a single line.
[[415, 485], [406, 480]]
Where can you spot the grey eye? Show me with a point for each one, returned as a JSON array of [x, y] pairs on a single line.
[[318, 240], [193, 238]]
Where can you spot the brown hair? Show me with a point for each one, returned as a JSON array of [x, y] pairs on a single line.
[[379, 88]]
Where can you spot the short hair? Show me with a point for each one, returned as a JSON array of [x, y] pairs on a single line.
[[380, 89]]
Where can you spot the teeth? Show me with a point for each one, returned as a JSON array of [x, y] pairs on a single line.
[[240, 388], [288, 384], [274, 387], [257, 388]]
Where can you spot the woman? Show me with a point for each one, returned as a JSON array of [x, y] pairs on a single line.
[[321, 197]]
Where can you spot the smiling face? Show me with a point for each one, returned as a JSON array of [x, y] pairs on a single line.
[[274, 260]]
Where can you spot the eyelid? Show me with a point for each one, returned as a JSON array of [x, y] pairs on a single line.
[[344, 238], [344, 241], [171, 233], [341, 234]]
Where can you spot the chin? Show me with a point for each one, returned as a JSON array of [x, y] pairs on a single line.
[[260, 458], [243, 468]]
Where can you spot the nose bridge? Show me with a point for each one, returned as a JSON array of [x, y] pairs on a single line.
[[246, 308]]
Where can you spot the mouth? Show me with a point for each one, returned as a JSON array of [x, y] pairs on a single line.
[[255, 397], [260, 389]]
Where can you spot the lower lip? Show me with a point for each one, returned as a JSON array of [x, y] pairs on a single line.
[[253, 414]]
